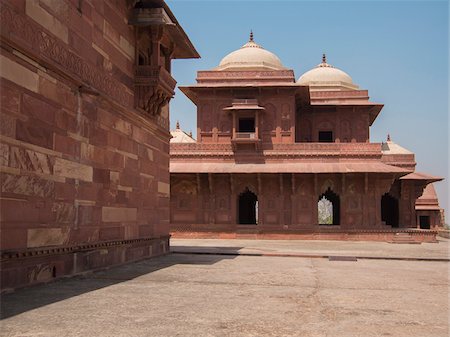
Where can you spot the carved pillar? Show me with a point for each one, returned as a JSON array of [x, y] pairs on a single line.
[[260, 201], [365, 201], [343, 203], [212, 199], [233, 200], [293, 206], [200, 210], [315, 199]]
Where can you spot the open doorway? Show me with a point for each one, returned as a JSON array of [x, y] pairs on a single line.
[[247, 208], [389, 210], [424, 221], [328, 208]]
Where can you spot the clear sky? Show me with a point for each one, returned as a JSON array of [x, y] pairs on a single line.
[[398, 50]]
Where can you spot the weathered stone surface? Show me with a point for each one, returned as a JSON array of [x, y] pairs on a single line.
[[41, 16], [4, 154], [70, 169], [7, 125], [40, 237], [29, 160], [27, 185], [119, 214], [10, 99], [163, 188], [37, 135], [18, 74], [38, 109], [65, 212]]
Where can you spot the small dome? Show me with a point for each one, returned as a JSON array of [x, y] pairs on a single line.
[[251, 56], [326, 77]]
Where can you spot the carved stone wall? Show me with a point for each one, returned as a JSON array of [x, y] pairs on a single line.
[[82, 171]]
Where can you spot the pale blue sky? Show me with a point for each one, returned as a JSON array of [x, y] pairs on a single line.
[[398, 50]]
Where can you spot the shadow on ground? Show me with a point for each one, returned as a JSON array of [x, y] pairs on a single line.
[[40, 295]]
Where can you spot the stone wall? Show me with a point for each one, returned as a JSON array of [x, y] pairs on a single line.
[[84, 176], [285, 201]]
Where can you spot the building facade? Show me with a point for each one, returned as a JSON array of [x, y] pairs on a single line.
[[276, 157], [85, 87]]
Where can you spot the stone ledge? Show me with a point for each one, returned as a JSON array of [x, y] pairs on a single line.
[[46, 251]]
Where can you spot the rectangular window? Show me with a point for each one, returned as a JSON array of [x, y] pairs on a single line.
[[326, 136], [246, 125]]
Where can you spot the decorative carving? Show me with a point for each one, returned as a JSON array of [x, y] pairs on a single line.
[[24, 32]]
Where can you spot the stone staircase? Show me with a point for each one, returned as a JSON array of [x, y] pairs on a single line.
[[403, 238]]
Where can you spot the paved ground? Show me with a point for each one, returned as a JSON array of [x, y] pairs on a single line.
[[215, 295], [316, 248]]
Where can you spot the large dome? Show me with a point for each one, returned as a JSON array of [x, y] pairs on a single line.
[[251, 56], [326, 77]]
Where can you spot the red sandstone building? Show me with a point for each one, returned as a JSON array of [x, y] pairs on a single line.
[[276, 157], [84, 150]]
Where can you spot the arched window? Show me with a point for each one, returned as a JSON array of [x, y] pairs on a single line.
[[389, 210], [248, 208], [328, 208]]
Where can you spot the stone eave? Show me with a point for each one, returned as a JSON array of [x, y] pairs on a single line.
[[347, 167], [192, 92]]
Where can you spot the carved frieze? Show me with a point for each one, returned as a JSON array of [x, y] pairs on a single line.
[[19, 30]]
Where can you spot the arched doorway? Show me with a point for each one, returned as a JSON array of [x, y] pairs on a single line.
[[247, 208], [328, 208], [389, 210]]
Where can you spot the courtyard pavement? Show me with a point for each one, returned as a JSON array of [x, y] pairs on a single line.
[[239, 295], [314, 248]]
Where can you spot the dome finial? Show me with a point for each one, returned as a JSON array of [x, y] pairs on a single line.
[[178, 125], [388, 137], [251, 36], [324, 58]]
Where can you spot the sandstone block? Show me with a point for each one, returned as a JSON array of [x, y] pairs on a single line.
[[18, 74], [45, 19], [7, 125], [71, 169], [27, 185], [10, 99], [29, 160], [119, 214], [163, 188], [65, 212], [37, 135], [110, 233], [39, 109], [41, 237], [4, 154]]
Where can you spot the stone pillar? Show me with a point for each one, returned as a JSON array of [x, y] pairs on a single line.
[[233, 205], [212, 199], [315, 197]]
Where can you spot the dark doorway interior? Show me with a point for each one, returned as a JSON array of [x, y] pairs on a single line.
[[246, 125], [389, 210], [325, 136], [247, 207], [424, 221], [333, 198]]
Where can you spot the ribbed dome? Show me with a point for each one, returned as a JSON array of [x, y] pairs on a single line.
[[251, 56], [326, 77]]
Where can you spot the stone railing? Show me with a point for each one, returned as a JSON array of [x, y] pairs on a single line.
[[245, 135], [236, 76], [295, 149]]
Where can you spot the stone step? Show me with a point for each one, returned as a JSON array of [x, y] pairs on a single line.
[[403, 238]]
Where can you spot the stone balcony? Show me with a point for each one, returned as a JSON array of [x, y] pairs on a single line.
[[154, 87]]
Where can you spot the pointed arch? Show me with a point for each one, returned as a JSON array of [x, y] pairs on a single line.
[[328, 208], [247, 207]]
